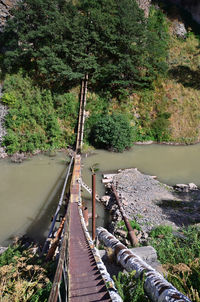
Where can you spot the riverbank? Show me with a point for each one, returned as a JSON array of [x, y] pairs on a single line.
[[150, 203], [87, 149]]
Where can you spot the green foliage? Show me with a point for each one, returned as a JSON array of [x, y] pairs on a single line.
[[181, 256], [9, 99], [58, 42], [133, 224], [160, 127], [129, 288], [172, 249], [112, 132], [24, 276], [10, 255], [163, 230], [158, 35], [42, 294], [37, 118]]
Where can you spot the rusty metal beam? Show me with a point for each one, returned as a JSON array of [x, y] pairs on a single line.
[[131, 232]]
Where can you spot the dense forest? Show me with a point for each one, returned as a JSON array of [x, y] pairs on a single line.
[[142, 76]]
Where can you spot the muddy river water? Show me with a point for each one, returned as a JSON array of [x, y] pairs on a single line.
[[29, 191]]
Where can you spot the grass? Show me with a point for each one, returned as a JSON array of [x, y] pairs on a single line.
[[181, 258], [129, 288], [133, 223]]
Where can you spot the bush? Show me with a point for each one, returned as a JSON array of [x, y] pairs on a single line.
[[181, 256], [162, 230], [24, 276], [37, 118], [160, 127], [129, 288], [112, 132]]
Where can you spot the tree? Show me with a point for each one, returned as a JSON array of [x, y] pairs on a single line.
[[112, 132], [58, 42], [40, 35]]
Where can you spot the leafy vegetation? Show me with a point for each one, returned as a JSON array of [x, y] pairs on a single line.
[[133, 224], [129, 288], [180, 254], [112, 132], [109, 40], [23, 276], [37, 118], [136, 67]]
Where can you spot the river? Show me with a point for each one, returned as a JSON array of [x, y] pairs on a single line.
[[29, 191], [28, 195]]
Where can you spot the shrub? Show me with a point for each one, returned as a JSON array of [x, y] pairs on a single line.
[[112, 132], [160, 127], [129, 288], [181, 256], [24, 276], [164, 230], [37, 118]]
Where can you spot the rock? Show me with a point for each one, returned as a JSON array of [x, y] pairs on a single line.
[[121, 233], [18, 157], [124, 202], [3, 154], [147, 253], [192, 186], [107, 180], [3, 249], [108, 175], [145, 235], [145, 5], [182, 187], [105, 199], [179, 29], [5, 7]]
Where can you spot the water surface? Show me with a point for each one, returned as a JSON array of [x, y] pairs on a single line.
[[28, 195], [171, 164], [29, 192]]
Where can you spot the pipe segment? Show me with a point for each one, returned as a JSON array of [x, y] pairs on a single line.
[[156, 287]]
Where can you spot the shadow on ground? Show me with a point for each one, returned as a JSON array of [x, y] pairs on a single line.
[[184, 210], [186, 76]]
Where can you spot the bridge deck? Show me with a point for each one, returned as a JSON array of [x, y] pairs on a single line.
[[85, 281]]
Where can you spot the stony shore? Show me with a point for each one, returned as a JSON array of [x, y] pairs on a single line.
[[151, 203]]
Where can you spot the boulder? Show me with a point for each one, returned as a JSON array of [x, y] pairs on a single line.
[[179, 29], [192, 186]]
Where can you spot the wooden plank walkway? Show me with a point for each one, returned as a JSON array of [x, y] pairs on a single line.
[[85, 281]]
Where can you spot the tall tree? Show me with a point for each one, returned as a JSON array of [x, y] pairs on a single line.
[[40, 40], [59, 41]]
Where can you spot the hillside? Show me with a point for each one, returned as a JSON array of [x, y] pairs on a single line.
[[163, 107]]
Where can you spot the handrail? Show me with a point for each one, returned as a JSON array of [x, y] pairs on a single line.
[[81, 119], [58, 207], [61, 270]]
